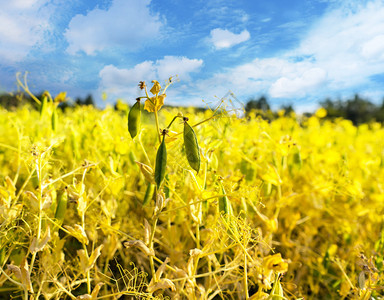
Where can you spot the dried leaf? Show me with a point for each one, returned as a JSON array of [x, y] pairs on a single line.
[[161, 269], [15, 270], [10, 185], [362, 280], [86, 262], [154, 104], [84, 297], [96, 290], [25, 278], [95, 254], [33, 199], [195, 252], [47, 202], [37, 246], [78, 232], [155, 89], [162, 285], [147, 171], [140, 244], [147, 232]]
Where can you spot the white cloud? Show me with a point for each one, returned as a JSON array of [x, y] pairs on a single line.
[[285, 87], [114, 79], [23, 24], [374, 48], [180, 66], [338, 54], [118, 81], [126, 23], [347, 43], [223, 38]]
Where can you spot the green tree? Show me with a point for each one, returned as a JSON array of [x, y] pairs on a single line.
[[357, 109], [258, 104]]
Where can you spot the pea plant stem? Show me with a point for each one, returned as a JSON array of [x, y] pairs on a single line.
[[40, 198], [154, 224], [174, 118], [157, 126]]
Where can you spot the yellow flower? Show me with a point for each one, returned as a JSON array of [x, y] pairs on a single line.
[[156, 87], [321, 112], [155, 103], [275, 263], [272, 264], [60, 97]]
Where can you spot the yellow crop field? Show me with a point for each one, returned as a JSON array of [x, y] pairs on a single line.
[[183, 204]]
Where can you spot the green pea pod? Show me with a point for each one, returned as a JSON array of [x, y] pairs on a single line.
[[134, 118], [54, 119], [225, 209], [224, 203], [43, 105], [148, 193], [297, 159], [191, 147], [61, 208], [161, 163]]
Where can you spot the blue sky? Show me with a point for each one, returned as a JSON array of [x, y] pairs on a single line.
[[297, 51]]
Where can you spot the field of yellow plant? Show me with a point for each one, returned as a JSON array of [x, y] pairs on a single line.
[[287, 209]]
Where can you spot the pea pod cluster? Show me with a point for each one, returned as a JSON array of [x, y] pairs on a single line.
[[191, 146], [134, 119]]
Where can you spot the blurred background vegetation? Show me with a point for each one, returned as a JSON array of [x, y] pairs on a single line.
[[356, 109]]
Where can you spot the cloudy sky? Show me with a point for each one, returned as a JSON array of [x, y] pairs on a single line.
[[297, 51]]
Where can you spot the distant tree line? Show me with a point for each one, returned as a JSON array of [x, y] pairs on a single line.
[[12, 101], [357, 109], [263, 109]]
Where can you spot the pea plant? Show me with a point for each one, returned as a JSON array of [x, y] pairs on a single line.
[[156, 184]]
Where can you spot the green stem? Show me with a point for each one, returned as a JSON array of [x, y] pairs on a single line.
[[40, 197], [173, 121], [146, 94], [198, 235], [86, 251], [88, 273], [151, 248], [145, 152], [25, 87], [157, 126], [245, 278]]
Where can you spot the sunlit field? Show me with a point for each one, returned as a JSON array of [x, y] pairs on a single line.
[[217, 206]]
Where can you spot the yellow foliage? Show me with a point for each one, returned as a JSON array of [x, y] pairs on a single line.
[[306, 198]]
